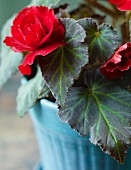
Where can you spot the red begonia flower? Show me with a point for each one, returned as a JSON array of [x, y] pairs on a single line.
[[123, 5], [37, 31], [118, 63]]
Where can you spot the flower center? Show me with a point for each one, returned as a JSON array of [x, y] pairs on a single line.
[[97, 34]]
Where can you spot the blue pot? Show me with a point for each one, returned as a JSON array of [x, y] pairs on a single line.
[[61, 148]]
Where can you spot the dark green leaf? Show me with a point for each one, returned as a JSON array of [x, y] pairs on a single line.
[[102, 40], [61, 67], [102, 110], [8, 58], [48, 3], [29, 92], [126, 80], [76, 109]]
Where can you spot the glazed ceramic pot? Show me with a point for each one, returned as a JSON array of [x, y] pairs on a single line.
[[61, 148]]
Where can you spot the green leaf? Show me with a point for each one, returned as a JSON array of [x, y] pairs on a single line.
[[8, 58], [102, 40], [64, 65], [103, 110], [45, 93], [49, 3], [29, 92]]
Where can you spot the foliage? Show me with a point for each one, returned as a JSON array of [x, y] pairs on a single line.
[[61, 67], [9, 59], [69, 74], [102, 109]]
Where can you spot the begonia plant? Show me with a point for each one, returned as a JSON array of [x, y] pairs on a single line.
[[77, 60]]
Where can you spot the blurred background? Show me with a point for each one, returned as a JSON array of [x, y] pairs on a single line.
[[18, 148]]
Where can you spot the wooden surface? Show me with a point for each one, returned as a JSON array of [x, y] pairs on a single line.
[[18, 148]]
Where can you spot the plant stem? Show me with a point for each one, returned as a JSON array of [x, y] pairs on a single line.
[[103, 8], [130, 27], [129, 22]]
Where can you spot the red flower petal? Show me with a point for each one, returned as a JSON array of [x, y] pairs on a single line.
[[17, 34], [110, 75], [45, 11], [10, 41], [47, 37], [35, 30], [118, 63], [117, 2], [25, 70], [29, 59], [125, 7]]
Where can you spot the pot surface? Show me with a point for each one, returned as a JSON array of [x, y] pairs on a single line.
[[61, 148]]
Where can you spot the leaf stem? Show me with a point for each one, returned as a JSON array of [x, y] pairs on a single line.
[[93, 66]]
